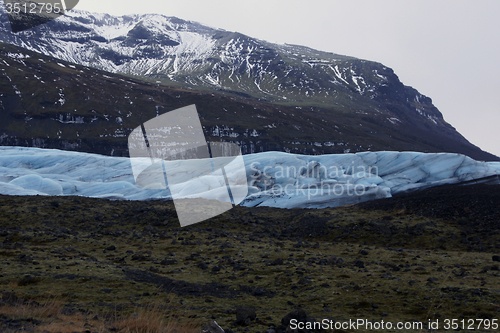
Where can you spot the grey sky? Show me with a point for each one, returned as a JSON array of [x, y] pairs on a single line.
[[448, 50]]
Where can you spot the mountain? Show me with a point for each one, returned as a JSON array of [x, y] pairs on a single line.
[[176, 52], [259, 95]]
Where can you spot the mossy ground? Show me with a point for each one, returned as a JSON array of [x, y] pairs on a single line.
[[113, 257]]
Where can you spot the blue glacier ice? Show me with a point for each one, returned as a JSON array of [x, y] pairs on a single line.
[[274, 179]]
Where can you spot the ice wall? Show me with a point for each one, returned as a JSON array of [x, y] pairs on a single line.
[[275, 179]]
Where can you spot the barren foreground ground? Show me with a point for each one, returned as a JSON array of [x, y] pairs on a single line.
[[92, 265]]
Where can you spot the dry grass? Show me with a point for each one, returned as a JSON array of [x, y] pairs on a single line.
[[52, 319], [47, 310], [152, 320]]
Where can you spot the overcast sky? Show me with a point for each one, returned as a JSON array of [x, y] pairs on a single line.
[[448, 50]]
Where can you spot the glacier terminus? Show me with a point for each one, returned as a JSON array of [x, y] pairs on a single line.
[[274, 179]]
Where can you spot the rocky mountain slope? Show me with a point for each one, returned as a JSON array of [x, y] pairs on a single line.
[[49, 103], [174, 51], [259, 95]]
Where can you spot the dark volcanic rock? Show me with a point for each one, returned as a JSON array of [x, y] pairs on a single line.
[[27, 280], [245, 315], [298, 314], [359, 264], [277, 261], [166, 262], [202, 265]]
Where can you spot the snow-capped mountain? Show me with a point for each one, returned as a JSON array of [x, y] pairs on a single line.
[[50, 103], [188, 54], [259, 95]]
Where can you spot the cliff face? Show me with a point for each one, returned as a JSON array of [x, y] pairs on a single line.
[[49, 103]]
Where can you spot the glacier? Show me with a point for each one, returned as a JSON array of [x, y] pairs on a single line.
[[274, 179]]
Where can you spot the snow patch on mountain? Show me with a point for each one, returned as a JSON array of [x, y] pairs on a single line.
[[172, 50]]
